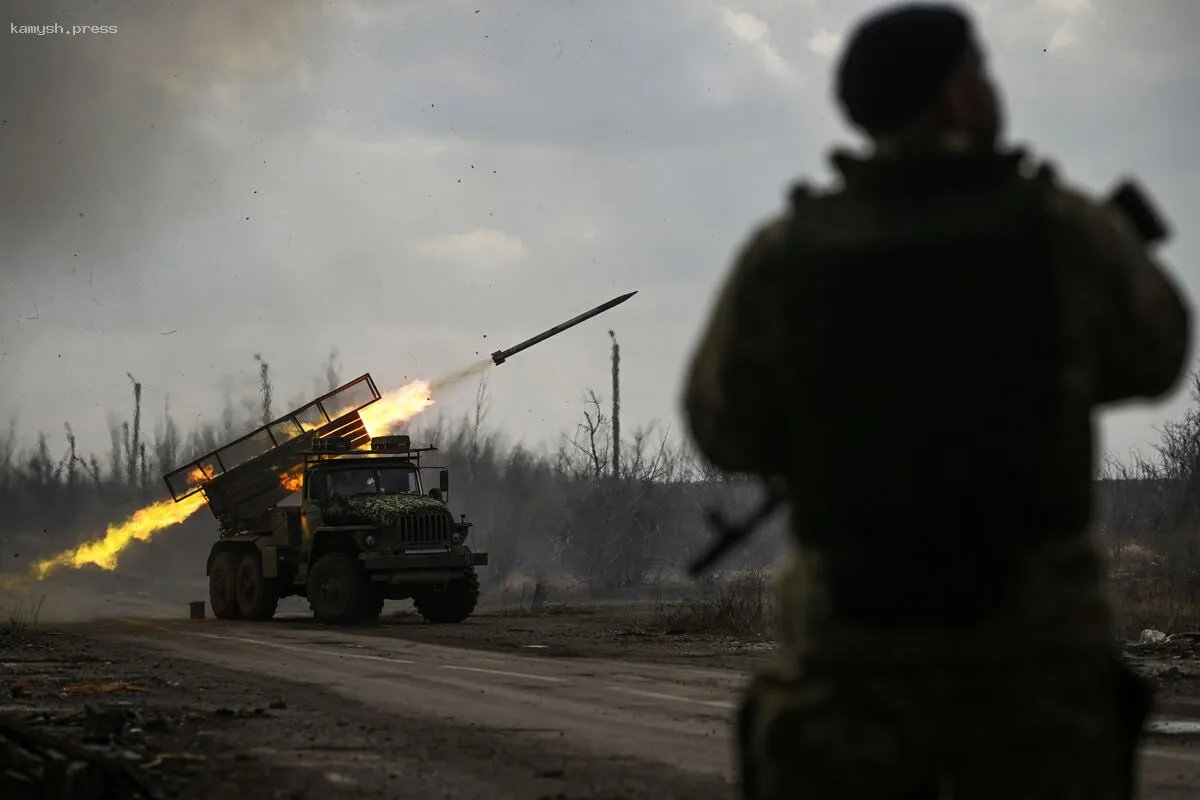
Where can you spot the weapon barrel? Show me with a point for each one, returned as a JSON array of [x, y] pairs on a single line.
[[500, 356]]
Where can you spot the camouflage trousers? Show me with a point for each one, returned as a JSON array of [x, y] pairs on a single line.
[[1059, 730]]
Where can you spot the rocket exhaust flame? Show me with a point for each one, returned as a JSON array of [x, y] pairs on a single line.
[[396, 407], [105, 551], [198, 477], [401, 405]]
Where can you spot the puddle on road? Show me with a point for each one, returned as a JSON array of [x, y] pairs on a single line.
[[1175, 727]]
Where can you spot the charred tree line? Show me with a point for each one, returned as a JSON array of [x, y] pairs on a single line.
[[1149, 504], [607, 506]]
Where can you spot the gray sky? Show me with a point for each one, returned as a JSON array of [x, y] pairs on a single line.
[[414, 183]]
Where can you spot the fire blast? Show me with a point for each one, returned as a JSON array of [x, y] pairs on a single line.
[[104, 552]]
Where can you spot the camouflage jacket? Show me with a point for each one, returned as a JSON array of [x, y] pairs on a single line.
[[785, 381]]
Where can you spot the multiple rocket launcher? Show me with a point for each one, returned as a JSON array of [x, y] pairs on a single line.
[[242, 478]]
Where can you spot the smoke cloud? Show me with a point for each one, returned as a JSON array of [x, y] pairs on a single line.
[[92, 136]]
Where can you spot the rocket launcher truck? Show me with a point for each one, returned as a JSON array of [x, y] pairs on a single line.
[[311, 505]]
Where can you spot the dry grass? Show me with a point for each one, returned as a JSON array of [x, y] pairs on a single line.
[[23, 616], [1167, 603], [1155, 583], [738, 605]]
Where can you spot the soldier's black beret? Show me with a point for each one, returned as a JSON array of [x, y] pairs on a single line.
[[896, 61]]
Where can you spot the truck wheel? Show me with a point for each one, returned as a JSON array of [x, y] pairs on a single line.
[[452, 605], [337, 589], [256, 597], [222, 586]]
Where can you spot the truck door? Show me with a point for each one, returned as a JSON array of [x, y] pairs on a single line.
[[315, 490]]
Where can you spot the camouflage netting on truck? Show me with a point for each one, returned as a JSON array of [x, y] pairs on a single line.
[[385, 509]]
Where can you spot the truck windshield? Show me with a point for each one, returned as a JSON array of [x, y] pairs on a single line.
[[369, 480]]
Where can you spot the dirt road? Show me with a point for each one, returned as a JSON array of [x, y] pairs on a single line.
[[374, 712], [349, 715], [659, 714]]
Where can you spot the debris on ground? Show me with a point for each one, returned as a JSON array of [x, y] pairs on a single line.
[[163, 758], [1151, 636], [97, 687], [1171, 662], [86, 713], [1164, 645], [35, 765], [200, 731]]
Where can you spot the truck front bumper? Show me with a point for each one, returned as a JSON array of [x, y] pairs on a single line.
[[405, 563]]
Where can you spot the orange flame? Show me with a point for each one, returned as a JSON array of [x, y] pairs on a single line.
[[292, 480], [396, 407], [105, 551], [198, 476], [401, 405]]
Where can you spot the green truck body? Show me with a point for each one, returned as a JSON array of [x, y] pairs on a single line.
[[311, 505]]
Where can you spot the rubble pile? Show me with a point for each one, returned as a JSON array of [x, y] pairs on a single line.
[[35, 765], [1154, 643], [77, 723]]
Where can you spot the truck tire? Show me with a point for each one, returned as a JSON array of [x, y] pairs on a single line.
[[256, 597], [222, 586], [337, 589], [453, 604]]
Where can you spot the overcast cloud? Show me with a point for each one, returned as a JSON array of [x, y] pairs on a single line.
[[416, 183]]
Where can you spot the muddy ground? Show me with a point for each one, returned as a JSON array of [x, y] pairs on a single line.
[[644, 631], [192, 730], [652, 631], [189, 730]]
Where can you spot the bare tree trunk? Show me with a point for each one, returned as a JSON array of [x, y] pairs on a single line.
[[73, 455], [616, 406], [132, 447], [264, 380], [127, 452], [333, 370]]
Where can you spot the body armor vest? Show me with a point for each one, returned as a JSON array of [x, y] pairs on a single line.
[[926, 360]]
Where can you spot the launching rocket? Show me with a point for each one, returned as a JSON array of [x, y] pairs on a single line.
[[500, 356]]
